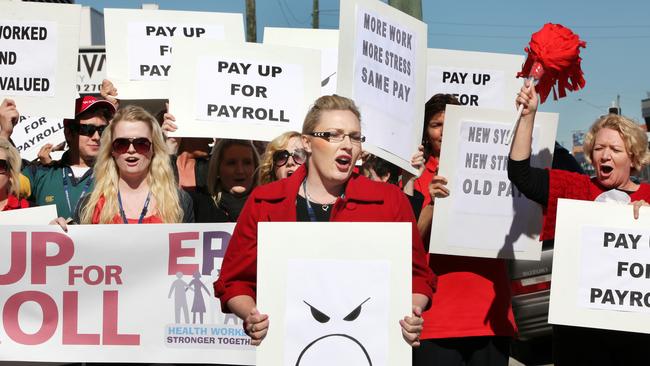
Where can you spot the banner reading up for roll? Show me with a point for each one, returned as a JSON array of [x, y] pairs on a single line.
[[38, 52], [601, 267], [382, 66], [242, 91], [139, 45], [142, 293]]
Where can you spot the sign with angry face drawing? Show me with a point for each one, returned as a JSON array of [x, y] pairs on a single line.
[[335, 298]]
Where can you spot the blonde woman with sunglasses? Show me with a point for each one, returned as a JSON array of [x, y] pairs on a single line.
[[283, 156], [10, 177], [134, 182]]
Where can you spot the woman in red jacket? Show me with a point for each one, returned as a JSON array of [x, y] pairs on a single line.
[[323, 189]]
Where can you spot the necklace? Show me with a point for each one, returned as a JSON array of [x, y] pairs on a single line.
[[324, 206]]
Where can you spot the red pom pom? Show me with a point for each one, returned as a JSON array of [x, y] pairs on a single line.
[[557, 50]]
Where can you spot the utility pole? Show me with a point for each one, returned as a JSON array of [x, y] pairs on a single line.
[[251, 22], [315, 16], [410, 7]]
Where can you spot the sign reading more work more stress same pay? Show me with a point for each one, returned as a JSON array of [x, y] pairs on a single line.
[[139, 45], [382, 62], [38, 49]]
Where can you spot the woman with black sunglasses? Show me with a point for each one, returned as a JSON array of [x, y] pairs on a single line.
[[283, 156], [323, 189], [10, 177], [134, 183]]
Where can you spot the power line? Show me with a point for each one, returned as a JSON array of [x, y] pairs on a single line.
[[293, 15], [492, 25], [588, 38]]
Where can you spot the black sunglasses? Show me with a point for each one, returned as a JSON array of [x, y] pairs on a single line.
[[88, 130], [4, 166], [280, 158], [142, 145]]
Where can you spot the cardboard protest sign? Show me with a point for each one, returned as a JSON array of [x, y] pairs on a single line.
[[477, 79], [41, 215], [338, 299], [382, 62], [473, 158], [139, 45], [601, 261], [248, 91], [142, 293], [38, 52], [30, 134], [325, 40]]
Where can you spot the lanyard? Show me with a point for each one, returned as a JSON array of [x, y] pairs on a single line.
[[89, 181], [310, 210], [144, 208]]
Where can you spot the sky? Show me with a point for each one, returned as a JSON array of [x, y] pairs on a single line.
[[615, 62]]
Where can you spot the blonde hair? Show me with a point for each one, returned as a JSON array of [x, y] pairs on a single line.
[[635, 139], [214, 180], [267, 175], [160, 176], [328, 103], [13, 160]]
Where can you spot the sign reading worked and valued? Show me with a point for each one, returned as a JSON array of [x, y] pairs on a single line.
[[38, 49], [477, 79], [139, 45], [382, 62], [337, 300], [601, 267], [474, 159], [247, 91], [325, 40], [139, 294]]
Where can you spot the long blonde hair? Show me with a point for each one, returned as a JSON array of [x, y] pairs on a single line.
[[13, 159], [267, 175], [160, 176]]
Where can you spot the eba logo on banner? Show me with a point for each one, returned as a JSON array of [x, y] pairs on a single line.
[[198, 321]]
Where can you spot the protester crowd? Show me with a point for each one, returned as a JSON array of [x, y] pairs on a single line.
[[121, 168]]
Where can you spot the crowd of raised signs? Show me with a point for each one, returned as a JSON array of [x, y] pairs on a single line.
[[119, 167]]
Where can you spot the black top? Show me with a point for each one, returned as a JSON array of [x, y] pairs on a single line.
[[322, 215], [532, 182], [206, 210]]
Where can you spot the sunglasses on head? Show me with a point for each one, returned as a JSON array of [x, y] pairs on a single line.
[[280, 158], [142, 145], [4, 166], [89, 130]]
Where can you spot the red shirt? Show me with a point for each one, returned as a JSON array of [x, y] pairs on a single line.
[[563, 184], [13, 203], [365, 201], [473, 294], [153, 219]]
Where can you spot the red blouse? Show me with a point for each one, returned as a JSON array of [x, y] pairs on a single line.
[[153, 219], [14, 203]]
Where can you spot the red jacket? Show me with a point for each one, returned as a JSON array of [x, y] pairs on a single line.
[[365, 201]]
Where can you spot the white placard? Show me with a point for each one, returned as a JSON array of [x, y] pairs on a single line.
[[382, 62], [41, 215], [477, 79], [336, 299], [325, 40], [31, 133], [248, 91], [29, 34], [139, 45], [142, 293], [473, 158], [600, 267]]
